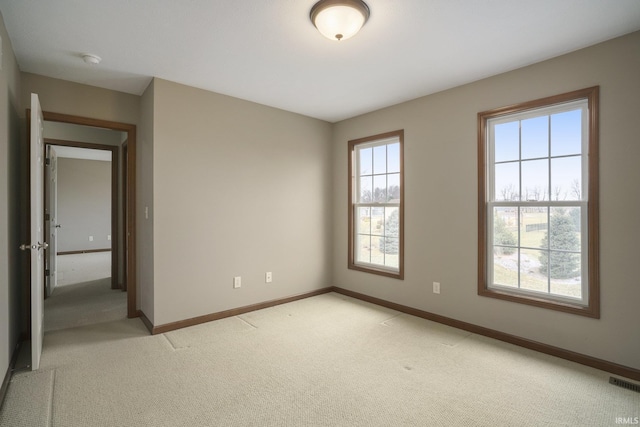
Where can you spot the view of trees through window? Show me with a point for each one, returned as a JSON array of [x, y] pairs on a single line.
[[537, 201], [378, 201], [375, 190], [538, 250]]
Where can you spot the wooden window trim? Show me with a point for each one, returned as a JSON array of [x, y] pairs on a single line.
[[592, 309], [351, 256]]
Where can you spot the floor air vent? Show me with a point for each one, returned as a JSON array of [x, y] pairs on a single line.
[[624, 384]]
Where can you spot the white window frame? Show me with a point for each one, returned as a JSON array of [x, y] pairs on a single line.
[[586, 101], [355, 148]]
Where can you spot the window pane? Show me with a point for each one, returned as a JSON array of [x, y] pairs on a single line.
[[566, 178], [507, 183], [377, 221], [505, 268], [393, 158], [505, 251], [366, 184], [563, 233], [535, 180], [392, 222], [363, 220], [393, 187], [377, 255], [566, 133], [507, 140], [505, 229], [569, 287], [363, 252], [380, 159], [535, 137], [391, 245], [366, 159], [575, 213], [533, 227], [533, 276], [380, 188], [564, 267]]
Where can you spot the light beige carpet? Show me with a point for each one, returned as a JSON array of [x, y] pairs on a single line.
[[323, 361], [79, 268], [83, 304]]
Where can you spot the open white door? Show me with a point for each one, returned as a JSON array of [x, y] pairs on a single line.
[[51, 219], [37, 244]]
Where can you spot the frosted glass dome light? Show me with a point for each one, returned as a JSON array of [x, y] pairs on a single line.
[[339, 19]]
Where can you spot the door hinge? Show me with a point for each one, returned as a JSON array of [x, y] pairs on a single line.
[[47, 217], [47, 272], [47, 161]]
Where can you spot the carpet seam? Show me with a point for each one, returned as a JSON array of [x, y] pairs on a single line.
[[459, 342], [173, 346], [247, 322], [384, 322], [53, 385]]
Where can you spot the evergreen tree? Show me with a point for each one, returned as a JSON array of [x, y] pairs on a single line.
[[389, 243], [575, 218], [564, 265], [503, 236]]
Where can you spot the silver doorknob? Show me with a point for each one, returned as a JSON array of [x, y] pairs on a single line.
[[37, 246]]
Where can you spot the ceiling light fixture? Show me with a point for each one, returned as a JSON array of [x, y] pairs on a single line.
[[339, 19], [91, 59]]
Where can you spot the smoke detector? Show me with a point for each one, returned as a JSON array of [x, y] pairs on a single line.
[[91, 59]]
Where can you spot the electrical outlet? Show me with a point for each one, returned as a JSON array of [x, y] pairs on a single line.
[[91, 238], [436, 287], [237, 282], [108, 236], [268, 277]]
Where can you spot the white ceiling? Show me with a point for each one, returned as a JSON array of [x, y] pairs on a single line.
[[268, 51]]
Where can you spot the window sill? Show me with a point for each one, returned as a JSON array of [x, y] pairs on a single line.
[[380, 272], [588, 311]]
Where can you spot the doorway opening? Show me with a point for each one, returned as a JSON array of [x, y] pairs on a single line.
[[123, 233], [128, 205], [83, 263]]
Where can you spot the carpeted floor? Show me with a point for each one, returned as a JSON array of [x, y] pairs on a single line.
[[83, 304], [324, 361], [79, 268]]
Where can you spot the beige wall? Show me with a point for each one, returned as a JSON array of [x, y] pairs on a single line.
[[239, 189], [10, 291], [441, 201], [84, 204], [79, 133], [60, 96]]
